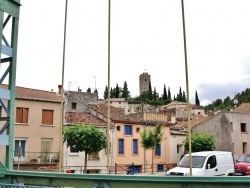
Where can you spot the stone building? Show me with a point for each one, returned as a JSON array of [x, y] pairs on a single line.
[[231, 129], [144, 81], [77, 101]]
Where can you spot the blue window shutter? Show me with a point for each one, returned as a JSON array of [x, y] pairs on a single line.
[[135, 146], [120, 146], [128, 130], [158, 150]]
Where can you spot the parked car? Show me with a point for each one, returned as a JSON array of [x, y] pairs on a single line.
[[207, 163], [242, 165]]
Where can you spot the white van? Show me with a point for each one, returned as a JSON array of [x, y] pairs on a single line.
[[206, 163]]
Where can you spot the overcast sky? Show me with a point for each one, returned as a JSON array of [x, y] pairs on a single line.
[[145, 35]]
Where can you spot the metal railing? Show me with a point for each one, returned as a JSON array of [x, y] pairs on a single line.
[[120, 169], [36, 157]]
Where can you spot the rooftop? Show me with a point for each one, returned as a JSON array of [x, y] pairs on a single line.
[[243, 108], [84, 118], [34, 94]]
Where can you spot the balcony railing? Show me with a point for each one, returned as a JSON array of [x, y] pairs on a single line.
[[36, 157]]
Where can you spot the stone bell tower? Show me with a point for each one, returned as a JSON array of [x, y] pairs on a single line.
[[144, 81]]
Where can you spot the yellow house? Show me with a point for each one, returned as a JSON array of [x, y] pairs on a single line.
[[126, 149]]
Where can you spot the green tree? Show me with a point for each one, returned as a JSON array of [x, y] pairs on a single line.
[[150, 138], [228, 102], [164, 96], [169, 95], [85, 138], [197, 101], [89, 90], [184, 97], [112, 93], [217, 102], [155, 95], [150, 96], [105, 94], [144, 96], [125, 91], [117, 91], [179, 96], [200, 141]]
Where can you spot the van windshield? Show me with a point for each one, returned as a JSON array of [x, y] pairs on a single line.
[[197, 161]]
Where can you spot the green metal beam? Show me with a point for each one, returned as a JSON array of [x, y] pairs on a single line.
[[9, 49], [128, 181]]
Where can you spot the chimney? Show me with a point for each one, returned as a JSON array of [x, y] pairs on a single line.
[[59, 89]]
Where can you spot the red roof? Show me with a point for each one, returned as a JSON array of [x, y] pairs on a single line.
[[243, 108], [34, 94], [116, 114], [84, 118]]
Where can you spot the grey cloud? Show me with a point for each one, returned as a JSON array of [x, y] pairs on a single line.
[[215, 91]]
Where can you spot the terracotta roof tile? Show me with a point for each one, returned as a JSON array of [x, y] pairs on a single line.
[[34, 94], [116, 114], [196, 119], [243, 108], [84, 118]]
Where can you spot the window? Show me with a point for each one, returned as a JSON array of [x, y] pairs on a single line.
[[73, 105], [94, 156], [160, 168], [120, 146], [135, 146], [212, 161], [118, 128], [46, 145], [179, 148], [243, 127], [231, 126], [46, 149], [22, 115], [47, 117], [158, 150], [244, 147], [128, 130], [137, 129], [20, 148]]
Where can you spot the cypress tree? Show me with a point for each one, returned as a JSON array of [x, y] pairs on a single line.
[[89, 90], [165, 96], [169, 95], [197, 101], [105, 94], [117, 91], [125, 91], [155, 94], [150, 97], [184, 97]]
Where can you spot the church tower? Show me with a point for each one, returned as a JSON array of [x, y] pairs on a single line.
[[144, 80]]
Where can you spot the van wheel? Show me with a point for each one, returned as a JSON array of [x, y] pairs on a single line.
[[230, 174]]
